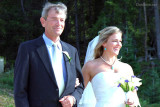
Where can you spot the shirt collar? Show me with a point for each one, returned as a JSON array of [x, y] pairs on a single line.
[[50, 43]]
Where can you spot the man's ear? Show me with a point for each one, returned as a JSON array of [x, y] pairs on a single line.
[[42, 20]]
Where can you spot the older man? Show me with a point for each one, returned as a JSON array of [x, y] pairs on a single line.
[[46, 68]]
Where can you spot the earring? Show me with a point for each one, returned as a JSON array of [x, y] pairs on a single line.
[[105, 49]]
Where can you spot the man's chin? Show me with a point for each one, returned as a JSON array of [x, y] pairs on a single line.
[[59, 33]]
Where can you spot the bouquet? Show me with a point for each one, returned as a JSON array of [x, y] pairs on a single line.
[[129, 84]]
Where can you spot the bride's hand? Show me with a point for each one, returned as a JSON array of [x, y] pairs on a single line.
[[130, 102], [77, 82], [130, 99]]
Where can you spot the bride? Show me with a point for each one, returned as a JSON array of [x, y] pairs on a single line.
[[101, 73]]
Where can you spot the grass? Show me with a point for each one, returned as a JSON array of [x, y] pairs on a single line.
[[6, 99], [6, 80], [6, 89]]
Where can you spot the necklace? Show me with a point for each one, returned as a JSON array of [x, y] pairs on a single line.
[[108, 63]]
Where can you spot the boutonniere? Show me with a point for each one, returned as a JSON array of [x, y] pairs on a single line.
[[66, 53]]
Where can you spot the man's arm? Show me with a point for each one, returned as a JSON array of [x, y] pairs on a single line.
[[21, 72], [79, 89]]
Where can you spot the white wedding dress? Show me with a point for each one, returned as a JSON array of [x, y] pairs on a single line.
[[106, 92]]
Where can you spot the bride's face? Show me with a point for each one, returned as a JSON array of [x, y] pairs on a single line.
[[114, 44]]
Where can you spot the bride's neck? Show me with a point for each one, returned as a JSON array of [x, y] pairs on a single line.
[[109, 58]]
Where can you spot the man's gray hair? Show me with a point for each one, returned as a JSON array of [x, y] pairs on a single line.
[[57, 6]]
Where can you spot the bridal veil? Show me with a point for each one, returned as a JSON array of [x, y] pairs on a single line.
[[88, 98]]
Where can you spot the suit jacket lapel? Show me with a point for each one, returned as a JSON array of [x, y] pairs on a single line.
[[43, 53]]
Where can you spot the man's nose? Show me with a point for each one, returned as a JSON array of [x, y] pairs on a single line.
[[58, 22]]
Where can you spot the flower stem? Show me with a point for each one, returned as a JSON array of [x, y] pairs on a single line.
[[127, 105]]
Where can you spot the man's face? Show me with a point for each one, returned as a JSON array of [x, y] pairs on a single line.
[[54, 24]]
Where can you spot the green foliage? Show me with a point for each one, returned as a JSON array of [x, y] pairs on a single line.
[[100, 24], [2, 28], [17, 26], [150, 90], [6, 89], [127, 53], [6, 79]]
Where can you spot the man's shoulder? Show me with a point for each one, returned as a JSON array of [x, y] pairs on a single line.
[[68, 45], [31, 44], [33, 41]]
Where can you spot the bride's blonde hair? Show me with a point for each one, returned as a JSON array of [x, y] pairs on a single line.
[[104, 34]]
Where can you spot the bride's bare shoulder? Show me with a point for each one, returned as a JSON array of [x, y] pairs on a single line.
[[125, 67], [90, 65]]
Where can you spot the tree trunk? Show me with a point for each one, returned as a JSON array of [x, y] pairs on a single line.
[[22, 7], [145, 38], [25, 18], [90, 13], [76, 27], [157, 27], [82, 21]]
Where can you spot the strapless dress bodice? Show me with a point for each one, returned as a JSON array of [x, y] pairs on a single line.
[[106, 91]]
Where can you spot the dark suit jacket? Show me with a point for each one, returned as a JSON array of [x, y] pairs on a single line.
[[34, 81]]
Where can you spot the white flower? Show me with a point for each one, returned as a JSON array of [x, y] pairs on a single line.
[[136, 81], [66, 53]]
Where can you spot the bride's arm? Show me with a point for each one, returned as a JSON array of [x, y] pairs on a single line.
[[136, 99], [88, 98], [135, 96], [86, 74]]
